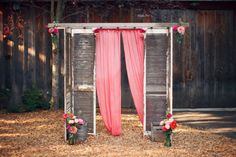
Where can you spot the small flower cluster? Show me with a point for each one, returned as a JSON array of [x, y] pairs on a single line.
[[6, 32], [72, 122], [179, 31], [53, 30], [169, 123]]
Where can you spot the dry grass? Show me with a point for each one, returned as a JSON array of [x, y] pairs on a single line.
[[41, 134]]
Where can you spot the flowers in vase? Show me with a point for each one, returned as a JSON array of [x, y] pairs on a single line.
[[168, 125], [72, 125], [179, 32]]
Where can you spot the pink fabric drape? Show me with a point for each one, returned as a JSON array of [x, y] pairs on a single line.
[[134, 58], [108, 78]]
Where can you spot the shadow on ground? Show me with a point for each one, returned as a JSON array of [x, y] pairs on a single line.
[[223, 122]]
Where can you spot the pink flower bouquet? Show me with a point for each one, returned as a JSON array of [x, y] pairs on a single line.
[[72, 125], [54, 31], [168, 125], [179, 32]]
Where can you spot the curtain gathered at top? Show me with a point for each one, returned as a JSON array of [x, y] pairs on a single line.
[[108, 78], [133, 41], [108, 73]]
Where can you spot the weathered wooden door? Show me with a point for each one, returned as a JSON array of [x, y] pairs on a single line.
[[83, 77], [157, 49]]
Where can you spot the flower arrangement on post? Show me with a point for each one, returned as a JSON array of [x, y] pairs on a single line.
[[54, 31], [168, 125], [6, 31], [72, 125], [179, 31]]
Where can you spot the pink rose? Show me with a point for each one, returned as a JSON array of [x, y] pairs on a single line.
[[167, 123], [181, 30], [55, 30], [164, 128], [50, 30], [162, 122], [167, 126], [169, 115], [80, 121], [76, 120], [175, 27]]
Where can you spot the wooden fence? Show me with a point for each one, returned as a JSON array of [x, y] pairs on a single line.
[[204, 64]]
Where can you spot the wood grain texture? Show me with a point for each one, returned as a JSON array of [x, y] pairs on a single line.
[[204, 64], [157, 46], [83, 59], [2, 60], [68, 75]]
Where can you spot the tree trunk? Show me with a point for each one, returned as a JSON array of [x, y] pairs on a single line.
[[25, 60], [52, 10], [15, 96], [56, 57]]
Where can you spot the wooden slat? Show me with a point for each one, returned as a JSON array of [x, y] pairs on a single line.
[[209, 38], [31, 48], [39, 55], [68, 73], [2, 61]]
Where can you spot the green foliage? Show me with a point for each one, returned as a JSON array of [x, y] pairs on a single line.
[[5, 95], [14, 108], [60, 105], [33, 99]]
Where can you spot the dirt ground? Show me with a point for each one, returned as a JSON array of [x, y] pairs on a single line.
[[218, 122], [41, 134]]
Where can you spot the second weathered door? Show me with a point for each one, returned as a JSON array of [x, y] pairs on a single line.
[[156, 98]]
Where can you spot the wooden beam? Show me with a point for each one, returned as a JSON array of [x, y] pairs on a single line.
[[65, 80], [144, 89], [115, 25], [113, 0], [94, 98], [171, 71]]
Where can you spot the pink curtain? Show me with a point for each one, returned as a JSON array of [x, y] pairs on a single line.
[[134, 58], [108, 78]]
